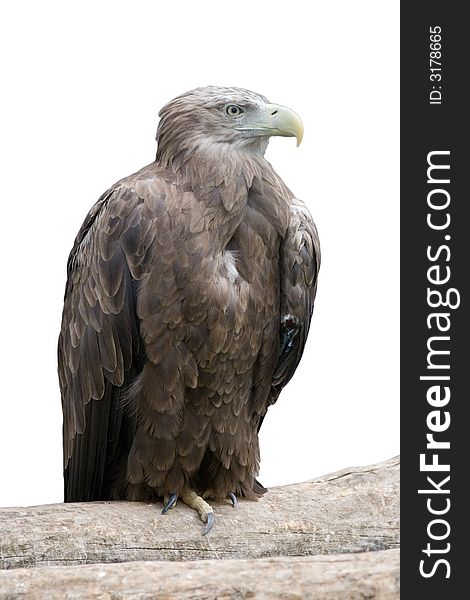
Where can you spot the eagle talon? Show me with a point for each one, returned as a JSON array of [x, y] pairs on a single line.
[[233, 499], [172, 498], [210, 523], [204, 510]]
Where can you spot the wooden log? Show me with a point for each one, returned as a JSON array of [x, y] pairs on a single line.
[[353, 510], [371, 575]]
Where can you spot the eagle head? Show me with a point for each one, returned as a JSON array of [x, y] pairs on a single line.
[[218, 118]]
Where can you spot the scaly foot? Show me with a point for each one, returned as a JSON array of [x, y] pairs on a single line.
[[205, 511]]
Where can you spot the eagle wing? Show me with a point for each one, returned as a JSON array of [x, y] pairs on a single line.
[[300, 263], [99, 348]]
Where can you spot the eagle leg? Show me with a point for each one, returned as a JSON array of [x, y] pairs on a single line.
[[205, 511], [169, 502], [233, 498]]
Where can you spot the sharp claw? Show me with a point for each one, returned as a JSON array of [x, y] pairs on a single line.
[[210, 523], [170, 502], [233, 498]]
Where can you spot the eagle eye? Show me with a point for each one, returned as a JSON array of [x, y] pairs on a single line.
[[233, 110]]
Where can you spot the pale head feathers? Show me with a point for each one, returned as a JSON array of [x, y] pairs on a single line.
[[197, 123]]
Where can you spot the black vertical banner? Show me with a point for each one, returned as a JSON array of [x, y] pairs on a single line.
[[435, 268]]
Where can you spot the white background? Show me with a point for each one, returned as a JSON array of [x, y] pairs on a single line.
[[81, 89]]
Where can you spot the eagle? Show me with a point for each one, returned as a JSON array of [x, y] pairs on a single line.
[[190, 290]]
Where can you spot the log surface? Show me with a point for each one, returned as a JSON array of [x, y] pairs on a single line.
[[371, 575], [353, 510]]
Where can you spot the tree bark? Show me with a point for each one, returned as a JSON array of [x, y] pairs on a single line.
[[353, 510], [371, 575]]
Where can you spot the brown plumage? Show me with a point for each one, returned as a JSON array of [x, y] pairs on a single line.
[[188, 302]]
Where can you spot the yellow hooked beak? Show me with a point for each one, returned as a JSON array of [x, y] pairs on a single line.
[[276, 120], [283, 121]]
